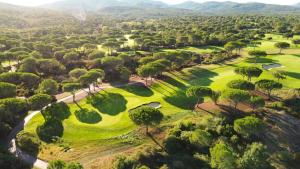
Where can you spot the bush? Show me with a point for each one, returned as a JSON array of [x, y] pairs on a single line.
[[28, 142], [123, 162], [57, 164], [276, 106], [74, 166], [50, 130], [88, 116]]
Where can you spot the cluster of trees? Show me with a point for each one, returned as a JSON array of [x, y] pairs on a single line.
[[154, 66], [219, 142], [59, 164], [239, 91]]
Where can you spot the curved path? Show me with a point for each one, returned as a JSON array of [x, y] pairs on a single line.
[[68, 99]]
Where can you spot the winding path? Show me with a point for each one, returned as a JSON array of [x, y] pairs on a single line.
[[68, 99]]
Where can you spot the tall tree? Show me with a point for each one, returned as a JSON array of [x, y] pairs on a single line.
[[222, 156], [198, 92], [236, 96], [72, 88], [257, 54], [7, 90], [48, 86], [268, 85], [248, 72], [146, 116], [282, 45]]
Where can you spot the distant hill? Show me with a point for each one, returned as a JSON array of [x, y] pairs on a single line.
[[211, 8], [233, 7], [13, 16], [92, 5]]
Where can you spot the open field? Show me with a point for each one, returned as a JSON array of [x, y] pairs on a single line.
[[115, 128]]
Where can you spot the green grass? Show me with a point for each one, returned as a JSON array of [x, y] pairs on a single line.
[[113, 109], [113, 104], [199, 50]]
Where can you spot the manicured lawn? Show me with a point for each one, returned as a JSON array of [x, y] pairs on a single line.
[[114, 103], [200, 50]]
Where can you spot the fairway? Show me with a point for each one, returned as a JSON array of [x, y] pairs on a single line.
[[170, 92]]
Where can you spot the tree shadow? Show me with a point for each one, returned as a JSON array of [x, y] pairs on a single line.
[[138, 89], [50, 130], [108, 103], [88, 116], [261, 60], [201, 76], [155, 141], [293, 75], [296, 55], [180, 100], [174, 82]]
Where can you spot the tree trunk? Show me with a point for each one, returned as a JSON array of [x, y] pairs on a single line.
[[147, 130], [74, 97], [146, 82]]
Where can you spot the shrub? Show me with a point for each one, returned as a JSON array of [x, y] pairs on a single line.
[[74, 166], [123, 162], [57, 164]]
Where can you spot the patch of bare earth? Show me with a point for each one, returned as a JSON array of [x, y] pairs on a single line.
[[283, 131]]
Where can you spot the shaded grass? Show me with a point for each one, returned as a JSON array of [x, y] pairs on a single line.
[[108, 103], [88, 116]]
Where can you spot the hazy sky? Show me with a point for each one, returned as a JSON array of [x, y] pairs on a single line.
[[39, 2]]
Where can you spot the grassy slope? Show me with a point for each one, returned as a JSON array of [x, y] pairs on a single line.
[[170, 93]]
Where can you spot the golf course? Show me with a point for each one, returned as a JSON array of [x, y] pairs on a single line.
[[115, 127]]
